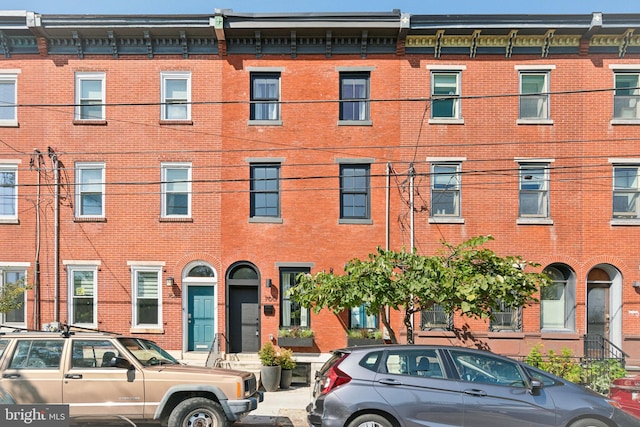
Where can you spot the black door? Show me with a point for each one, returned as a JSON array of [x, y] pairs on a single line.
[[244, 317]]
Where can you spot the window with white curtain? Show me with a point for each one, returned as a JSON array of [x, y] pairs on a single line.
[[293, 315], [534, 190], [626, 190], [90, 189], [8, 192], [354, 96], [627, 95], [445, 190], [147, 301], [176, 95], [176, 189], [265, 96], [90, 96], [558, 300], [445, 95], [8, 99], [534, 96]]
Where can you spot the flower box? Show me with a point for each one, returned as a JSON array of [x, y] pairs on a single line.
[[353, 342], [295, 342]]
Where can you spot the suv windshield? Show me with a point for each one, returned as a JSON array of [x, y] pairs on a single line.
[[148, 352]]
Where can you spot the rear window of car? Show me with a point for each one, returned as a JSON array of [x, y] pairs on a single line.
[[371, 361], [335, 357]]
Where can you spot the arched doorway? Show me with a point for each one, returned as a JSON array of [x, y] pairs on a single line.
[[199, 293], [603, 316], [243, 315]]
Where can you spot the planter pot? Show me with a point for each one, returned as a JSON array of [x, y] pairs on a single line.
[[295, 342], [270, 377], [352, 342], [285, 378]]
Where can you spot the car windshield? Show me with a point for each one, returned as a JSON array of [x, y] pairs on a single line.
[[148, 352]]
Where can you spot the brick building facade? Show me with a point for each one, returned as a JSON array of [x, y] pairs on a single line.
[[169, 176]]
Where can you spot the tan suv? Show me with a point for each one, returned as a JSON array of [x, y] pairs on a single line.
[[106, 376]]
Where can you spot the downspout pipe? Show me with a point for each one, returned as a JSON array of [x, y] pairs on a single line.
[[56, 238]]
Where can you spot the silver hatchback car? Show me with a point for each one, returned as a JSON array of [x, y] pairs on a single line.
[[436, 386]]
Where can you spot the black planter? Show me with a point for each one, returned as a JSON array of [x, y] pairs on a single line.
[[295, 342], [286, 375]]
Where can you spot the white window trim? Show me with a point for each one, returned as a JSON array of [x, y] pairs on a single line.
[[533, 219], [22, 267], [174, 75], [135, 269], [82, 76], [163, 172], [624, 69], [533, 69], [78, 196], [446, 219], [623, 162], [83, 266], [11, 76], [11, 166], [446, 69]]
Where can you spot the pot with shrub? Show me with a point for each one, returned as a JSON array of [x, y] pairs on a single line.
[[270, 370], [287, 363]]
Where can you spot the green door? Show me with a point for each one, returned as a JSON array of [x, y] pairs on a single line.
[[200, 317]]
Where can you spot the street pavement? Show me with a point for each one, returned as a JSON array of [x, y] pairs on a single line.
[[281, 408]]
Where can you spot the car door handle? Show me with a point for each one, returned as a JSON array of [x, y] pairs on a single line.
[[475, 392], [10, 375], [389, 381], [74, 376]]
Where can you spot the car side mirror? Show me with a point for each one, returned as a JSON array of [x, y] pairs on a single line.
[[536, 386], [121, 362]]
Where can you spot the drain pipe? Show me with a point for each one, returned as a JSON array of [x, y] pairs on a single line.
[[387, 220], [35, 163], [56, 238]]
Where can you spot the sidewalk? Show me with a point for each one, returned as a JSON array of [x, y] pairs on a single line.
[[282, 408]]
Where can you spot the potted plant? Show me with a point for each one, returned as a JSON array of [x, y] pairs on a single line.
[[357, 337], [295, 337], [270, 369], [287, 363]]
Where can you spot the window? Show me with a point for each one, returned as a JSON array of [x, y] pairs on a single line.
[[83, 298], [534, 96], [505, 319], [90, 184], [354, 96], [534, 191], [557, 300], [176, 190], [421, 363], [93, 353], [627, 95], [436, 319], [147, 304], [625, 192], [354, 191], [265, 96], [293, 315], [445, 190], [175, 96], [8, 99], [8, 192], [445, 95], [481, 368], [90, 96], [359, 319], [37, 354], [13, 277], [265, 190]]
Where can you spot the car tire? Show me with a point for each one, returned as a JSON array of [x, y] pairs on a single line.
[[197, 409], [370, 420], [589, 422]]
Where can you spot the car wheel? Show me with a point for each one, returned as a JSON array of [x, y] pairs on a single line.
[[197, 412], [370, 420], [589, 422]]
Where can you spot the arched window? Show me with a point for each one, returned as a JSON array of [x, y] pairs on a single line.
[[558, 300], [201, 271]]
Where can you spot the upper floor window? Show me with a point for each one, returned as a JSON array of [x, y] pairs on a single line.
[[147, 292], [90, 189], [90, 96], [445, 95], [176, 190], [176, 95], [265, 96], [534, 191], [625, 192], [265, 190], [445, 190], [354, 191], [627, 95], [14, 277], [83, 295], [8, 192], [354, 96], [534, 95], [8, 99]]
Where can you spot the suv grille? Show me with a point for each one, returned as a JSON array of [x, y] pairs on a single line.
[[250, 385]]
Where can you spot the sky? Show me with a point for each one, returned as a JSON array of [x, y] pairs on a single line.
[[436, 7]]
